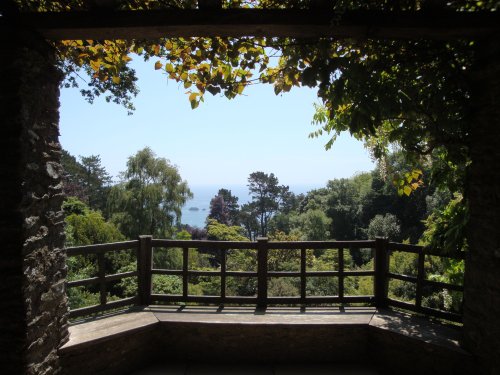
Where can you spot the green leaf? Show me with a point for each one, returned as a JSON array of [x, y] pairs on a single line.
[[169, 68], [194, 104], [416, 173], [407, 190]]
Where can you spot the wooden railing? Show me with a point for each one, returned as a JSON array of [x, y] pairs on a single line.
[[420, 281], [102, 279], [145, 245]]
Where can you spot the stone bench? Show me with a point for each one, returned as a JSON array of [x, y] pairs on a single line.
[[393, 341]]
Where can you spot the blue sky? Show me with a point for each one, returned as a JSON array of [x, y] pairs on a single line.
[[219, 143]]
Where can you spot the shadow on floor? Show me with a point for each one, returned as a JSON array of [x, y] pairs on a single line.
[[244, 369]]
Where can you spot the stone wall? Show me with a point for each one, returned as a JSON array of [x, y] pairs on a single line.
[[394, 342], [114, 354], [32, 266], [482, 274], [264, 343]]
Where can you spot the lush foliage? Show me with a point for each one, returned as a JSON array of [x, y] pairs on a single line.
[[363, 206], [86, 179], [150, 196], [85, 227], [408, 96]]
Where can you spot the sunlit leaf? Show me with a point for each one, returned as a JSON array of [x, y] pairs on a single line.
[[95, 65], [169, 68], [193, 96]]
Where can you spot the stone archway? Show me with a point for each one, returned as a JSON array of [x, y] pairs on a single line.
[[34, 311]]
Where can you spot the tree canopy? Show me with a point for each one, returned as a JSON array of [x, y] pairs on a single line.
[[86, 179], [409, 94], [150, 197], [413, 93], [224, 208], [267, 197]]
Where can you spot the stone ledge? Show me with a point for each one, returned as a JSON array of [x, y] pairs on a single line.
[[91, 332], [271, 316], [355, 334], [417, 328], [413, 345]]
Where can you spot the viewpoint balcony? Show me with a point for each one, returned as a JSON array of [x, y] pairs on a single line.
[[304, 334]]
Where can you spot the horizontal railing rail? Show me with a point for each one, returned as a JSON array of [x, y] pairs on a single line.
[[262, 246], [146, 245], [102, 279], [421, 282]]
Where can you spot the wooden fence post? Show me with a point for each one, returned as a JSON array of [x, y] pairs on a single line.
[[420, 279], [101, 272], [341, 275], [144, 263], [262, 272], [381, 270]]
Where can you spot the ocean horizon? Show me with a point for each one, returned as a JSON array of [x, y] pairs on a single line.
[[196, 210]]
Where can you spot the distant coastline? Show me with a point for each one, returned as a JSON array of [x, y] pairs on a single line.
[[196, 210]]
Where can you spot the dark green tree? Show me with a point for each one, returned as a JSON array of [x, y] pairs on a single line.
[[72, 177], [267, 196], [313, 225], [383, 199], [386, 226], [96, 181], [343, 209], [86, 179], [224, 208], [248, 219]]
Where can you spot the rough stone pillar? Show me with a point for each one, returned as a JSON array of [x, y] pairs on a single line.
[[33, 312], [482, 278]]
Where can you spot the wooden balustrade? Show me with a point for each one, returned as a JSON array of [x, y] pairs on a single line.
[[145, 245], [102, 279]]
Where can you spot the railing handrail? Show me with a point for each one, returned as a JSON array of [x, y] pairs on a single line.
[[145, 244], [102, 247], [269, 244]]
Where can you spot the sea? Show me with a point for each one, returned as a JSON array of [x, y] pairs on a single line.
[[196, 210]]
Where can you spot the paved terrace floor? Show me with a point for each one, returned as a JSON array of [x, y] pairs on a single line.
[[202, 327]]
